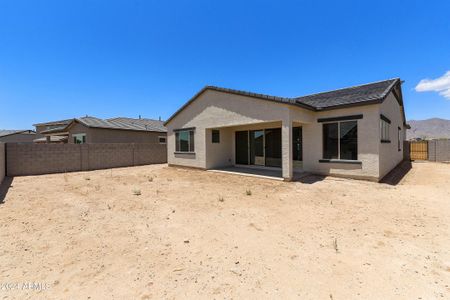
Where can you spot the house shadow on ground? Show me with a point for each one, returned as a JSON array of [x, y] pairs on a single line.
[[395, 176], [307, 178], [4, 187]]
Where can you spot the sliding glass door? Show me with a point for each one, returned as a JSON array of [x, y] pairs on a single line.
[[257, 147], [241, 147], [273, 147]]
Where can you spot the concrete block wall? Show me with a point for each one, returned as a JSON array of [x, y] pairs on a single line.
[[35, 159], [439, 150], [2, 162]]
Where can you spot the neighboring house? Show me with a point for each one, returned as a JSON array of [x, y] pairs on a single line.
[[354, 132], [54, 125], [17, 136], [115, 130]]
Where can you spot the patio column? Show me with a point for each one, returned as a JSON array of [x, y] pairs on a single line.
[[286, 149]]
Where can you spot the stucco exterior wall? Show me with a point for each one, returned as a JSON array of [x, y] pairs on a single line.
[[368, 140], [390, 156], [230, 113], [2, 162], [215, 109], [99, 135]]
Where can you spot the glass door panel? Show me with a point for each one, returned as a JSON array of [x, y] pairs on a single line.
[[257, 147], [273, 147], [241, 144]]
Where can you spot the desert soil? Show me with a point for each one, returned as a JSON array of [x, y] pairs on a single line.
[[196, 234]]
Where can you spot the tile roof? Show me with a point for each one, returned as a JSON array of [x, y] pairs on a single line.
[[11, 132], [374, 92], [124, 123], [114, 123], [360, 94], [60, 122], [55, 129]]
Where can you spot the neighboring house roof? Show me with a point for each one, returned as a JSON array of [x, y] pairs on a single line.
[[143, 123], [114, 123], [60, 122], [56, 129], [365, 94], [53, 139], [124, 124], [11, 132]]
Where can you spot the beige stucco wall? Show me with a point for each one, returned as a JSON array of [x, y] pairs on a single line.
[[230, 113], [98, 135], [2, 162], [389, 154], [213, 110], [368, 141]]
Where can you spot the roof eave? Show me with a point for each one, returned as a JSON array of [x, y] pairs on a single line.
[[340, 106]]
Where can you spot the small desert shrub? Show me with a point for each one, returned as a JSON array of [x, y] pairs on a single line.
[[87, 178], [137, 192], [221, 199], [248, 192], [150, 179]]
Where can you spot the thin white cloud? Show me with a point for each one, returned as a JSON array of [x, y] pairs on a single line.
[[440, 85]]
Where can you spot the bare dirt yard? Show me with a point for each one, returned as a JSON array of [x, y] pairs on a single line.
[[157, 232]]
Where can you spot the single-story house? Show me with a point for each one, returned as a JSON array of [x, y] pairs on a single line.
[[115, 130], [355, 132], [17, 136]]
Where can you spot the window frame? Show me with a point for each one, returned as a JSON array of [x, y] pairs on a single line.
[[162, 137], [215, 133], [385, 129], [339, 159], [399, 132], [191, 141], [75, 137]]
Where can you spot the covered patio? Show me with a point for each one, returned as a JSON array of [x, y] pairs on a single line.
[[271, 149]]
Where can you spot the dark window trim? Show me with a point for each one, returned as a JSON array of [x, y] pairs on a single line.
[[187, 153], [384, 118], [339, 142], [189, 131], [184, 129], [162, 137], [340, 161], [343, 118], [385, 142]]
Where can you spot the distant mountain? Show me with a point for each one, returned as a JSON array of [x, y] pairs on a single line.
[[429, 129]]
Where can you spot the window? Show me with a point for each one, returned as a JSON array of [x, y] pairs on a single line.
[[184, 140], [340, 140], [399, 139], [162, 139], [297, 143], [330, 141], [216, 136], [385, 127], [79, 138]]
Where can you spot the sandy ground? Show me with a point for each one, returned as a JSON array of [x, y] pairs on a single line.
[[196, 234]]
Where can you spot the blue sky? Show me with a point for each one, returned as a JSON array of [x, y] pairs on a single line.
[[63, 59]]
